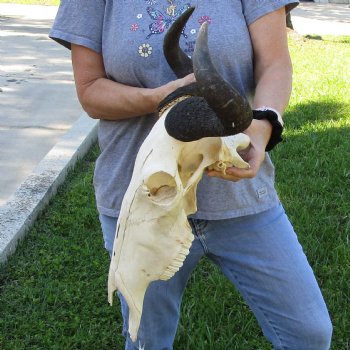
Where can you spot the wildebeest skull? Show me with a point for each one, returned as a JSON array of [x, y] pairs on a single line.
[[199, 128]]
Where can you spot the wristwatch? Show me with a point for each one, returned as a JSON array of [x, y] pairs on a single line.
[[275, 120]]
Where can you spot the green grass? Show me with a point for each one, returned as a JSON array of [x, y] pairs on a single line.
[[53, 290], [32, 2]]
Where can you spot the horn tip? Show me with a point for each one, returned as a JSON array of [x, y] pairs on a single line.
[[204, 26]]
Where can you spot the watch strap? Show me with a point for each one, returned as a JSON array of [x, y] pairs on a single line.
[[277, 125]]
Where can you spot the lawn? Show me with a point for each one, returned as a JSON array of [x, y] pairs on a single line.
[[53, 290]]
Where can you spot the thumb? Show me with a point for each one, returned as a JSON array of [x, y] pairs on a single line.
[[188, 79]]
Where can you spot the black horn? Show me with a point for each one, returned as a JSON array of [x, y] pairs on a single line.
[[211, 107], [233, 109], [179, 62]]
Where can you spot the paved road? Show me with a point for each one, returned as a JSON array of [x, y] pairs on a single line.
[[321, 19], [38, 103]]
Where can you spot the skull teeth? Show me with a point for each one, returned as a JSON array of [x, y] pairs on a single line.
[[178, 261]]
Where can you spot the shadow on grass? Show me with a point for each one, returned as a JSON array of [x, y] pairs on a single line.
[[345, 39], [313, 181], [315, 112], [314, 157]]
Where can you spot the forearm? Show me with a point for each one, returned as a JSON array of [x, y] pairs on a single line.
[[273, 81], [272, 63], [274, 85], [103, 98], [106, 99], [272, 91]]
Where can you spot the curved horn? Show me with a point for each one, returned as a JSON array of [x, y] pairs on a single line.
[[233, 109], [179, 62]]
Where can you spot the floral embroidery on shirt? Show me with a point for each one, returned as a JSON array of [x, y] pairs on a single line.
[[163, 20], [150, 2], [134, 27], [203, 19], [160, 15], [189, 47], [145, 50]]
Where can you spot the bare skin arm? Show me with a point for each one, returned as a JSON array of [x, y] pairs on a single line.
[[103, 98], [273, 67], [273, 77]]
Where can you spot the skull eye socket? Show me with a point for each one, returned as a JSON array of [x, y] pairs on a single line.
[[190, 164], [161, 188]]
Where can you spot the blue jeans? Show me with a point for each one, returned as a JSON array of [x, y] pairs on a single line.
[[261, 256]]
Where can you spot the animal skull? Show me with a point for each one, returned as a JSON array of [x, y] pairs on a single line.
[[153, 235]]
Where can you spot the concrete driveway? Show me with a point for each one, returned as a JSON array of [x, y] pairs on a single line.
[[38, 102], [321, 19]]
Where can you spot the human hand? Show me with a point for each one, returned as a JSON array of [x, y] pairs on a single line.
[[259, 132], [163, 91]]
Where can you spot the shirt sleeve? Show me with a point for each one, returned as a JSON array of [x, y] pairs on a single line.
[[254, 9], [79, 22]]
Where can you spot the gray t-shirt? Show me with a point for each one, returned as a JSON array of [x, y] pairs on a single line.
[[129, 34]]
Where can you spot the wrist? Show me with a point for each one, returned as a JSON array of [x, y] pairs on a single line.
[[273, 117], [152, 97], [259, 132]]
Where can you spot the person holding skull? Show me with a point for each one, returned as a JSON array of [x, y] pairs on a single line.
[[122, 76]]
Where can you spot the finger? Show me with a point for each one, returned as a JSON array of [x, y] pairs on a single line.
[[255, 160], [243, 173], [213, 173], [188, 79]]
